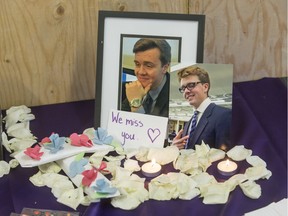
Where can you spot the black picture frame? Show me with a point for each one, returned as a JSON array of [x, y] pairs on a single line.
[[112, 24]]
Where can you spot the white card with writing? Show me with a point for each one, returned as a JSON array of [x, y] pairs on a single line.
[[134, 130]]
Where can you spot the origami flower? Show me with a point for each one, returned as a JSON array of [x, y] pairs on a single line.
[[102, 186], [80, 140], [77, 167], [101, 137], [91, 175], [34, 153], [54, 144], [45, 140]]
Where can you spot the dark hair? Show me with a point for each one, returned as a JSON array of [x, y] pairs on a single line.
[[149, 43], [195, 71]]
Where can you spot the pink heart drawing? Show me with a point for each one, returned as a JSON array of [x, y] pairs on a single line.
[[153, 133]]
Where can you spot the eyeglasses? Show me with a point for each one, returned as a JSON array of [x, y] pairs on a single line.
[[189, 86]]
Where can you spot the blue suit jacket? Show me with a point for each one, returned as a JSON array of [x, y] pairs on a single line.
[[214, 128]]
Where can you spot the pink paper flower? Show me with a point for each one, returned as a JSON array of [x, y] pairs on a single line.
[[80, 140], [34, 153], [89, 176], [45, 140], [102, 167]]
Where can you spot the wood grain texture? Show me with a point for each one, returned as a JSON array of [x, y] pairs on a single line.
[[251, 35], [48, 48]]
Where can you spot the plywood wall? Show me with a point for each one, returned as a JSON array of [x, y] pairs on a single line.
[[48, 48]]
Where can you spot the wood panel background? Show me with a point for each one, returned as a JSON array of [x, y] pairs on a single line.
[[48, 48]]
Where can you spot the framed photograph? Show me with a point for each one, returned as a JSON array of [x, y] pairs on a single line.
[[116, 30], [220, 93]]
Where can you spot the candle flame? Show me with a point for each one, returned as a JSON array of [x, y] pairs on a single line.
[[153, 162], [227, 162]]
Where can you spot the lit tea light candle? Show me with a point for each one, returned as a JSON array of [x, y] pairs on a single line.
[[151, 169], [227, 168]]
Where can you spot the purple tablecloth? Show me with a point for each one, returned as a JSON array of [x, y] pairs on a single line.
[[259, 123]]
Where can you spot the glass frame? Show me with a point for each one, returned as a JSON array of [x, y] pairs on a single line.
[[112, 24]]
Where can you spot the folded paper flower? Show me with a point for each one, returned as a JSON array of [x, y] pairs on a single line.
[[90, 132], [56, 143], [91, 175], [45, 140], [131, 186], [80, 140], [34, 153], [77, 167], [102, 186], [101, 137]]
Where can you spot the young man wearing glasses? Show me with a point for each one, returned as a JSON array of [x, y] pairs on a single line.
[[210, 123], [149, 94]]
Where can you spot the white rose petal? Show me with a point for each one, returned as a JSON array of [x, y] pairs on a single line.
[[251, 189], [13, 163], [4, 168], [239, 153], [72, 197], [256, 161], [131, 165], [163, 155]]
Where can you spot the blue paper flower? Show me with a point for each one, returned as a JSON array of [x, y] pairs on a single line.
[[102, 186], [101, 137], [56, 143], [77, 167]]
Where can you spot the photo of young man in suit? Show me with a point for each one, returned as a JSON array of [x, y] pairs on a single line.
[[149, 94], [210, 123]]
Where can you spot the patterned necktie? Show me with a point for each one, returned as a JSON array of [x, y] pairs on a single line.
[[193, 126], [148, 104]]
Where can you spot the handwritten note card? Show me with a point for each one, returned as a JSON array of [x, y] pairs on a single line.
[[134, 130]]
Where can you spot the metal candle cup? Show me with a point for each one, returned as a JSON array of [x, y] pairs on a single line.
[[227, 168], [151, 169]]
